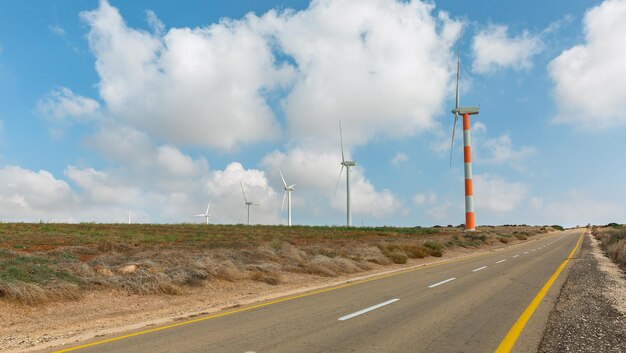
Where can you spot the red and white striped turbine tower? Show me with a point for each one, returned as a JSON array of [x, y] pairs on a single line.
[[470, 224]]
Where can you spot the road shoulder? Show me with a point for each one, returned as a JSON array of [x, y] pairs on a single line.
[[588, 316]]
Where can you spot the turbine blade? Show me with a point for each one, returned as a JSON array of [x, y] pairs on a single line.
[[208, 208], [283, 205], [343, 159], [456, 118], [241, 214], [338, 179], [199, 215], [243, 192], [283, 178], [292, 186], [458, 70]]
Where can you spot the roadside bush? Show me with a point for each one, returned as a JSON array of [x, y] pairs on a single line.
[[398, 257], [557, 227], [613, 242], [617, 251], [399, 252], [434, 248]]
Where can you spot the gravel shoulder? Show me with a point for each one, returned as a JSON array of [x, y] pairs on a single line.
[[590, 314]]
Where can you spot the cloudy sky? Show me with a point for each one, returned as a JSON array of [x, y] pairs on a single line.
[[159, 107]]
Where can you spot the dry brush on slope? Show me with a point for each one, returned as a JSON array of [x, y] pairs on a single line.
[[47, 262], [612, 241]]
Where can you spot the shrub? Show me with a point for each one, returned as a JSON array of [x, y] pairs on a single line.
[[558, 227], [474, 237], [434, 248], [398, 257]]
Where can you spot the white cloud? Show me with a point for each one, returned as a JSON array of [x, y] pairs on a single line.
[[175, 162], [316, 174], [495, 194], [500, 150], [58, 30], [577, 208], [30, 195], [208, 86], [494, 49], [123, 144], [154, 22], [198, 86], [102, 188], [425, 198], [63, 105], [590, 88], [419, 199], [225, 189], [366, 63], [398, 158]]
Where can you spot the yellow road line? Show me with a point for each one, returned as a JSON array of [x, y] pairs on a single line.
[[511, 337], [247, 308]]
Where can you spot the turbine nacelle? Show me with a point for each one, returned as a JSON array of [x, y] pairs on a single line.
[[466, 110], [348, 163]]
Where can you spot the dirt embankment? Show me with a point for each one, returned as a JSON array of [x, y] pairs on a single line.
[[590, 314], [60, 283]]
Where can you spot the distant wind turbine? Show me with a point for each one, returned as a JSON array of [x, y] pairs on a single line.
[[346, 164], [467, 149], [130, 216], [206, 214], [288, 190], [247, 203]]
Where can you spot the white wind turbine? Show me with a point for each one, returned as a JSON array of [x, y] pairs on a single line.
[[206, 214], [346, 164], [288, 190], [130, 216], [248, 203]]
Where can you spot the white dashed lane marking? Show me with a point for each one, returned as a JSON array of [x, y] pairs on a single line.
[[442, 282], [373, 307]]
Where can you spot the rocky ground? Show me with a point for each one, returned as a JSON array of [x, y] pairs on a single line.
[[590, 315]]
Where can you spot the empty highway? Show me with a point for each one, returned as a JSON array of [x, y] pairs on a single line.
[[463, 305]]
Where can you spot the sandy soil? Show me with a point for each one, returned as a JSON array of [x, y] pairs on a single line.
[[100, 313]]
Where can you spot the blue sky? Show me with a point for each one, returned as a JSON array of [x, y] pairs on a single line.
[[160, 107]]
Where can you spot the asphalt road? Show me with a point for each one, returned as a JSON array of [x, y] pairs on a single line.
[[465, 305]]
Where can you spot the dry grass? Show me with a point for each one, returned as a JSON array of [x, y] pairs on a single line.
[[613, 241], [46, 262], [33, 294]]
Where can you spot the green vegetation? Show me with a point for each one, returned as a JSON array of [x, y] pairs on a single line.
[[44, 261], [557, 227]]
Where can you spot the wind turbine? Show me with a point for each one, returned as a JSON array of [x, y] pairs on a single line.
[[130, 216], [288, 190], [467, 148], [346, 164], [248, 203], [206, 214]]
